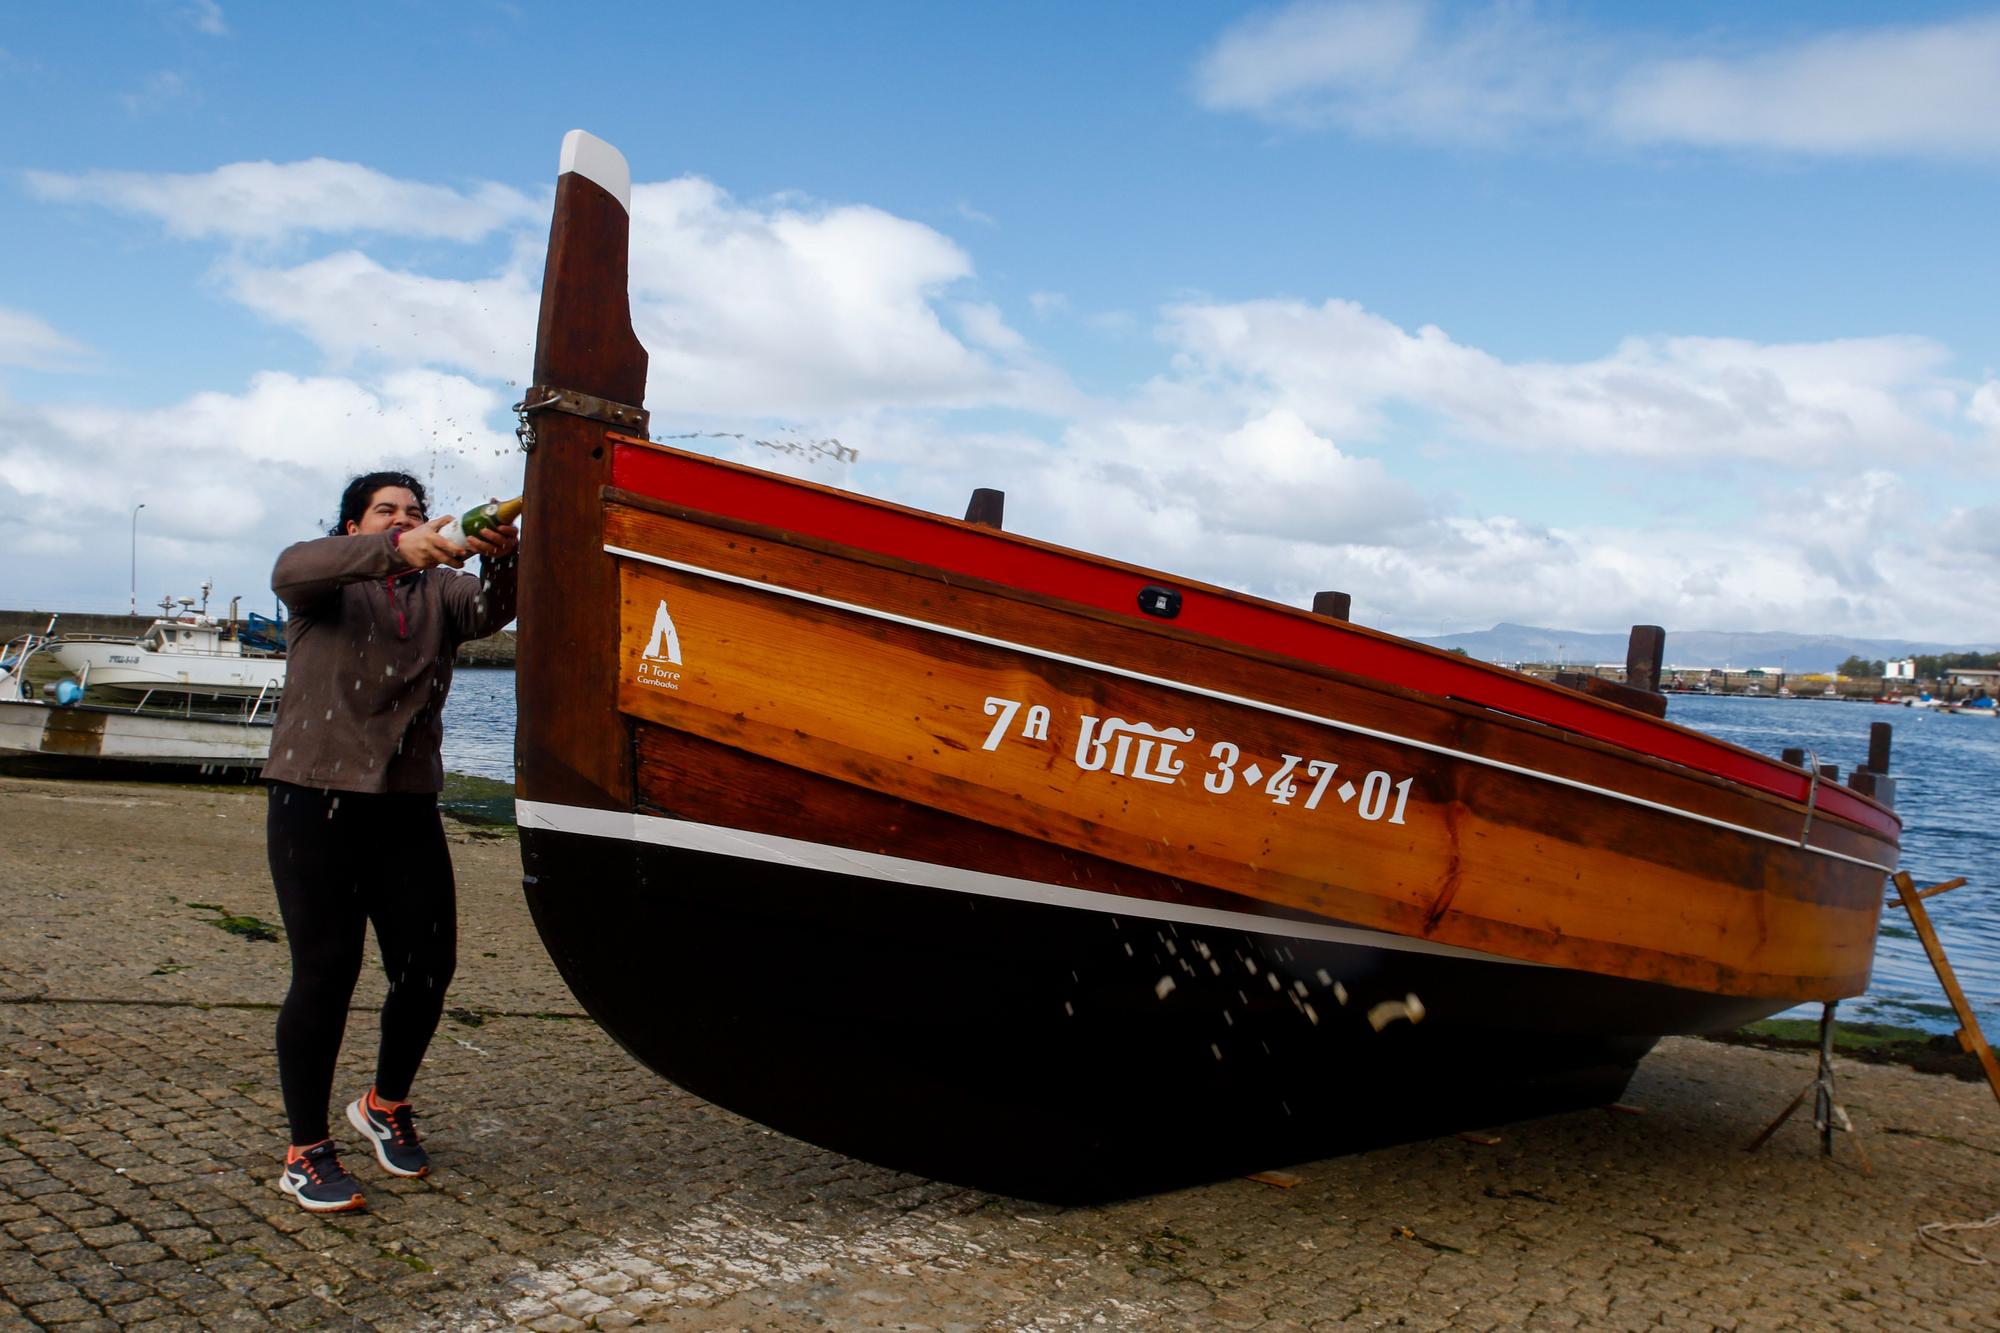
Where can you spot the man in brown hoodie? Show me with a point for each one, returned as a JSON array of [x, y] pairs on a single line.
[[352, 826]]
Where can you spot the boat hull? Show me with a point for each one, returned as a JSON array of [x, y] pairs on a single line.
[[884, 881], [35, 736], [1051, 1049], [130, 669]]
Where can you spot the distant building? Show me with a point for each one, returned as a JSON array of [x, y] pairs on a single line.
[[1903, 670]]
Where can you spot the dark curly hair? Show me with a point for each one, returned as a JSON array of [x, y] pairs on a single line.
[[354, 500]]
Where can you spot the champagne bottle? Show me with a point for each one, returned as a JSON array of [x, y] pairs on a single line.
[[479, 518]]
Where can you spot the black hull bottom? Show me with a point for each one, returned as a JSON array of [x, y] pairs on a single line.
[[1056, 1053]]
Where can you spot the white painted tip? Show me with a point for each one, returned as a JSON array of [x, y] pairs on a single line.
[[598, 162]]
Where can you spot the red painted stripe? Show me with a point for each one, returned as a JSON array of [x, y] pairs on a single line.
[[754, 496]]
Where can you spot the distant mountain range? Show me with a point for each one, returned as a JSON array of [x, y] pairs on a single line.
[[1801, 653]]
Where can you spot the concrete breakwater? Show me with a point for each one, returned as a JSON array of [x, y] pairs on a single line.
[[494, 651]]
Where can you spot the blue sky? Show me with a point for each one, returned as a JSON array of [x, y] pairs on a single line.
[[1577, 315]]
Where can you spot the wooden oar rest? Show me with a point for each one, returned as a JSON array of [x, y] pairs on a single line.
[[1644, 652]]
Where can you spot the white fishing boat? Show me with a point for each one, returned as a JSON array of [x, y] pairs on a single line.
[[181, 655], [54, 729]]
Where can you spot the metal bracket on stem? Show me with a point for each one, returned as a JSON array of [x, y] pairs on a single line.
[[543, 397]]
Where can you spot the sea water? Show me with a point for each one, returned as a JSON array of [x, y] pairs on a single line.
[[1947, 771]]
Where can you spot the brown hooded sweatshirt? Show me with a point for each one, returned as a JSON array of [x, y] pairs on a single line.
[[369, 648]]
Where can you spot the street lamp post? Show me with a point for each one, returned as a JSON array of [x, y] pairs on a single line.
[[135, 555]]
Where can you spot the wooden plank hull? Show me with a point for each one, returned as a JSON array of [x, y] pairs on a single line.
[[927, 843], [867, 894]]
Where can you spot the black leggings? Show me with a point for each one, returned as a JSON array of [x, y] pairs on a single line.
[[341, 859]]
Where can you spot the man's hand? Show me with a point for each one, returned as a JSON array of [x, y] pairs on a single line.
[[424, 547]]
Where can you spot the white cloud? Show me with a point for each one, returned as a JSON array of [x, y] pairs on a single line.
[[228, 479], [1983, 408], [205, 16], [1929, 89], [267, 201], [1390, 69], [1972, 532], [796, 309], [1307, 50], [1270, 476], [357, 311], [767, 311], [159, 91], [29, 342], [984, 326], [1341, 368]]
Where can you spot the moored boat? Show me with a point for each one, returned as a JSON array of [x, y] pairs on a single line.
[[181, 656], [62, 732], [1038, 871]]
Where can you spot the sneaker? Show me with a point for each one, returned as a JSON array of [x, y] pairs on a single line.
[[391, 1131], [317, 1180]]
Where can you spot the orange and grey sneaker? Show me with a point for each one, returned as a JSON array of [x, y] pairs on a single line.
[[315, 1177], [391, 1130]]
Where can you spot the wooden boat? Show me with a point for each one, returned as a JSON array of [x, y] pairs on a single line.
[[1003, 863]]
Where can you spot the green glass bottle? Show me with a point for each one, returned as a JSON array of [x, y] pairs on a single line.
[[479, 518]]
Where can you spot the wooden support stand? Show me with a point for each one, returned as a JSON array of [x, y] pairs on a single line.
[[1827, 1112], [1911, 899]]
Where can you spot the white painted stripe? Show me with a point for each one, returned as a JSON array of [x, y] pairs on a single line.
[[1241, 700], [800, 855], [595, 160]]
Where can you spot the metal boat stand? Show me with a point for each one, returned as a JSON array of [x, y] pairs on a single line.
[[1827, 1112]]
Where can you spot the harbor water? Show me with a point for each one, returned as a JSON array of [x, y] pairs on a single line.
[[1947, 771]]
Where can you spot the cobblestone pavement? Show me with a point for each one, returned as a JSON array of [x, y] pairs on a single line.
[[140, 1129]]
